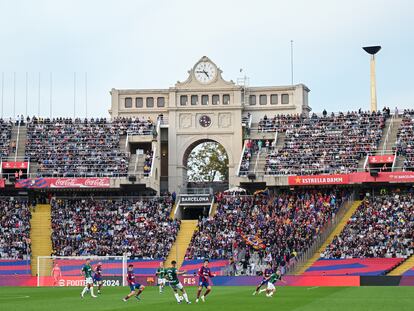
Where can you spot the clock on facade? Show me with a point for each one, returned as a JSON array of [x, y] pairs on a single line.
[[205, 121], [205, 72]]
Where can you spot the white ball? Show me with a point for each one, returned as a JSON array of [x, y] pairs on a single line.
[[181, 298]]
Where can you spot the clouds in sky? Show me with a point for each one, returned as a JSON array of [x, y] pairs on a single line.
[[152, 44]]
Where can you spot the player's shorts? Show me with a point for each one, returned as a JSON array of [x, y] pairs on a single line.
[[162, 281], [263, 282], [271, 286], [89, 280], [134, 287], [177, 286], [203, 284], [97, 279]]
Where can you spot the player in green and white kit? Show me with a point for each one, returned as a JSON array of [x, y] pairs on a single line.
[[172, 277], [274, 277], [161, 276], [87, 273]]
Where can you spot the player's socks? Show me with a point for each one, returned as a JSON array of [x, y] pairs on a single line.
[[185, 297], [207, 292], [177, 297], [197, 300], [85, 289], [92, 294]]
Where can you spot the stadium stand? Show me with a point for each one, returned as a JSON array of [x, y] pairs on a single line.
[[139, 228], [5, 136], [14, 229], [405, 141], [63, 147], [381, 227], [284, 224], [322, 145]]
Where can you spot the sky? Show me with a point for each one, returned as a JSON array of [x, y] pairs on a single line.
[[152, 44]]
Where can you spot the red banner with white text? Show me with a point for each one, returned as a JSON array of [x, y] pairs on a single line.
[[352, 178], [381, 159], [338, 179], [15, 165], [62, 183]]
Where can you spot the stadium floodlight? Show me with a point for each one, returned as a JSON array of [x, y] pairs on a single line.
[[372, 50]]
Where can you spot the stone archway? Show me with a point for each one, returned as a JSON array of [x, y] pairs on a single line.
[[185, 144], [205, 171]]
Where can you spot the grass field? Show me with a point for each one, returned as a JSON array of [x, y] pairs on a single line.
[[222, 298]]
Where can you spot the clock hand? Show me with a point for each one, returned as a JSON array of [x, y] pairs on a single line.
[[206, 74]]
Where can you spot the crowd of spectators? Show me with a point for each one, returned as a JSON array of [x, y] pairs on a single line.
[[250, 148], [405, 140], [148, 162], [134, 126], [66, 147], [327, 144], [14, 229], [139, 228], [382, 226], [286, 223], [5, 136]]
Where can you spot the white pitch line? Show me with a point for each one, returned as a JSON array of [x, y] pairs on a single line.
[[314, 287]]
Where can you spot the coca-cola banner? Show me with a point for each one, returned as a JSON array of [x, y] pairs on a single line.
[[15, 165], [381, 159], [338, 179], [40, 183]]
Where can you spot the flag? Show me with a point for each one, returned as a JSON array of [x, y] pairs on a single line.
[[254, 240], [262, 192]]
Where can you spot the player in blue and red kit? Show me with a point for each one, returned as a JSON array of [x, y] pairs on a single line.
[[97, 277], [136, 288], [204, 275], [266, 275]]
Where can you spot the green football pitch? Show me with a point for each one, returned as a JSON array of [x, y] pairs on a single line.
[[221, 298]]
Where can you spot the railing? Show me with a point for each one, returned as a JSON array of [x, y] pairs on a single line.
[[321, 238], [257, 160], [17, 141], [152, 162], [387, 136], [241, 157], [311, 172]]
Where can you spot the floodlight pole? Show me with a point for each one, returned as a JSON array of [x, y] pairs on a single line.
[[372, 50], [373, 85]]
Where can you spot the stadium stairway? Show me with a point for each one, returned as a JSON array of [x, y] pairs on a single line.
[[172, 213], [180, 246], [403, 267], [213, 210], [351, 208], [40, 236]]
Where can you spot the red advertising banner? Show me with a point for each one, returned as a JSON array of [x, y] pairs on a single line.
[[2, 183], [338, 179], [15, 165], [353, 178], [390, 177], [381, 159], [40, 183]]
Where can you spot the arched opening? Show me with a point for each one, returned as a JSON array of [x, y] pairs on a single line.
[[207, 164]]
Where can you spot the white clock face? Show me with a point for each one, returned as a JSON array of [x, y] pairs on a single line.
[[205, 72]]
